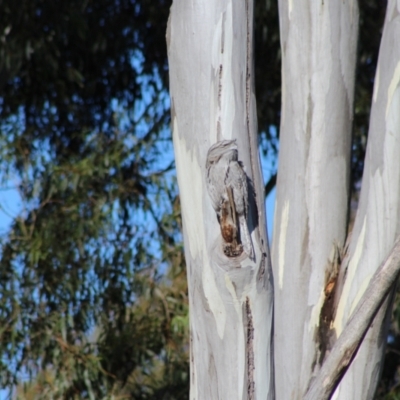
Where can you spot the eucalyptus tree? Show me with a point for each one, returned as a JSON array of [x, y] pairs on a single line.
[[322, 263], [92, 281]]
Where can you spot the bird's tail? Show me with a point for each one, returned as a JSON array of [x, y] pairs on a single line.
[[246, 238]]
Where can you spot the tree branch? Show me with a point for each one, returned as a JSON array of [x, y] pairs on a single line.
[[345, 348], [270, 185]]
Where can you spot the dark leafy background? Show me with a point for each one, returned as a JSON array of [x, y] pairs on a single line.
[[93, 295]]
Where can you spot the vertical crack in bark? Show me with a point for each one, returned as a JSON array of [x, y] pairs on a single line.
[[221, 68], [249, 351], [220, 72], [219, 130]]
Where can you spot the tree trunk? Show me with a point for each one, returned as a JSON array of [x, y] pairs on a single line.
[[318, 41], [378, 218], [231, 298], [319, 281]]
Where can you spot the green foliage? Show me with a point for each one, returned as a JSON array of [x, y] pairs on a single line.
[[65, 61], [144, 349], [93, 294], [77, 259]]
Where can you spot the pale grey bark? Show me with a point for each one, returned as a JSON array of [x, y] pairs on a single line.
[[212, 98], [342, 353], [318, 42], [378, 218]]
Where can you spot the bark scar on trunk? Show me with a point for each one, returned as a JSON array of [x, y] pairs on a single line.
[[249, 350], [327, 335]]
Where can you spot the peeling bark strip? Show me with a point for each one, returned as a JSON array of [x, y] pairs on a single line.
[[249, 351]]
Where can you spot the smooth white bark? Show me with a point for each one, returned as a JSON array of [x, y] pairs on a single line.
[[378, 218], [318, 42], [212, 98]]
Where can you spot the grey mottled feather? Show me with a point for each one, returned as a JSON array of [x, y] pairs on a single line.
[[225, 170]]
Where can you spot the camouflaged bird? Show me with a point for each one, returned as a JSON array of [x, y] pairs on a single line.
[[227, 187]]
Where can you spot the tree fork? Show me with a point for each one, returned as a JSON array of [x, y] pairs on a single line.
[[345, 348]]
